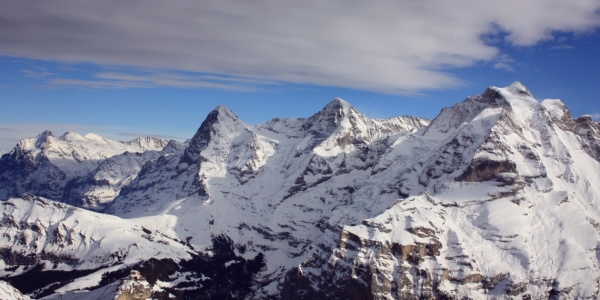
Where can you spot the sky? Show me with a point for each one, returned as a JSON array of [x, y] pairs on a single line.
[[150, 67]]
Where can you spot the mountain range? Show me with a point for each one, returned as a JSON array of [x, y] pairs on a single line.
[[497, 197]]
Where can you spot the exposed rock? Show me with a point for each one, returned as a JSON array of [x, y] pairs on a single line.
[[134, 290]]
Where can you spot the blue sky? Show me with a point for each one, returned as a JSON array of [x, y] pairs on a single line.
[[124, 71]]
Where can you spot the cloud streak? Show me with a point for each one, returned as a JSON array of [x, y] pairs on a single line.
[[388, 46], [127, 79], [562, 47]]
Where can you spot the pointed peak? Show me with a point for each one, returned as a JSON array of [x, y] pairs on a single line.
[[46, 133], [518, 89], [43, 140], [70, 135], [330, 117], [221, 119], [338, 103], [221, 113], [222, 109]]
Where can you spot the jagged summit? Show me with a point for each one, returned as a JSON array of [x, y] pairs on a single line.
[[517, 88], [224, 112], [220, 122], [336, 113], [337, 103], [514, 99], [46, 133], [43, 139], [220, 114]]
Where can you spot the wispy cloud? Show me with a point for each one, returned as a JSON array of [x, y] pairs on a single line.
[[8, 129], [385, 46], [123, 79], [595, 116], [505, 62], [562, 47], [562, 39], [38, 73]]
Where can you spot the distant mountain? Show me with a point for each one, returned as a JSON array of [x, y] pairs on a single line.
[[494, 198], [86, 171], [148, 143]]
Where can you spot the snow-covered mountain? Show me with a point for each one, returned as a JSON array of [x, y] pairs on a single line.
[[86, 171], [497, 197], [40, 235]]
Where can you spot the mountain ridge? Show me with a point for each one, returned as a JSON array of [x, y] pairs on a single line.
[[492, 198]]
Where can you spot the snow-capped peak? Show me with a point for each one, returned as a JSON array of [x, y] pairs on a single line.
[[325, 122], [518, 89], [45, 134], [221, 114], [94, 137], [339, 103], [43, 140], [220, 122], [70, 135], [225, 111]]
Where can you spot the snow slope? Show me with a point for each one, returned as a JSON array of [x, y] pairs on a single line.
[[59, 237], [8, 292]]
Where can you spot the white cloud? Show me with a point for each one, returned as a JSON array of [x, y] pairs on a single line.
[[388, 46]]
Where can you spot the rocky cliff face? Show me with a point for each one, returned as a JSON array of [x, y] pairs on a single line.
[[494, 198], [134, 290]]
